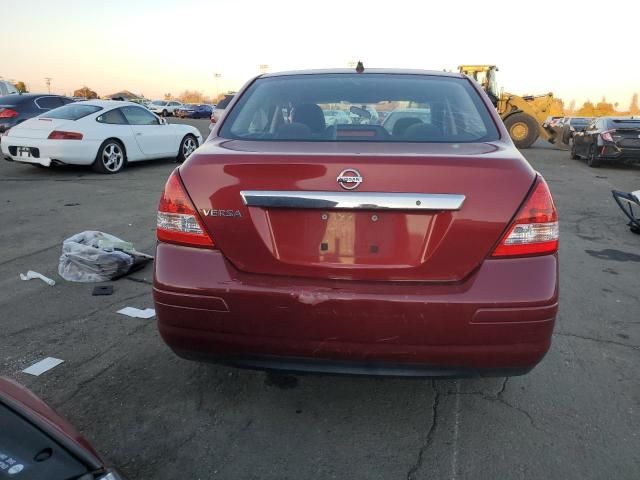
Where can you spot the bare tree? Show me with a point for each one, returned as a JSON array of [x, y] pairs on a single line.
[[85, 92], [191, 96]]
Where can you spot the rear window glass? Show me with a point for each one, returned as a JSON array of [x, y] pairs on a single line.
[[625, 123], [72, 111], [48, 103], [351, 107], [224, 102]]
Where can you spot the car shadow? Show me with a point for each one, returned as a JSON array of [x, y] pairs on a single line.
[[55, 171]]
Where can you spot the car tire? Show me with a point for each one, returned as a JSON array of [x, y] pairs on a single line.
[[592, 159], [187, 146], [572, 153], [522, 128], [164, 113], [111, 157]]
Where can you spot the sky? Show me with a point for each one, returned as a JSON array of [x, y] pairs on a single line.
[[577, 49]]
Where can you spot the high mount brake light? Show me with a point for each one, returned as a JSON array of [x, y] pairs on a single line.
[[534, 231], [178, 221]]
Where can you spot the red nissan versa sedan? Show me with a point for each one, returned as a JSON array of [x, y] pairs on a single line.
[[423, 248]]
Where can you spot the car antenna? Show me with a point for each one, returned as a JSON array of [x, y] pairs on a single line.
[[359, 67]]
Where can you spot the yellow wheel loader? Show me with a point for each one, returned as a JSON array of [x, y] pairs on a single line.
[[523, 116]]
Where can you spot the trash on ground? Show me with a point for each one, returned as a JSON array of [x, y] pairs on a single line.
[[93, 256], [110, 245], [137, 313], [42, 366], [102, 290], [31, 275], [629, 203]]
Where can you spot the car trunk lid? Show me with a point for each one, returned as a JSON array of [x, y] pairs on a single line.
[[627, 134], [422, 212], [39, 127]]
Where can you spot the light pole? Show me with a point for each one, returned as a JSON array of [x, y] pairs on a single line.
[[217, 76], [48, 80]]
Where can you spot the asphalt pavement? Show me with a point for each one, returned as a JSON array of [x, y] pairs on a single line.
[[155, 416]]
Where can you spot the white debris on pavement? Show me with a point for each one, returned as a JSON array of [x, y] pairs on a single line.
[[42, 366], [137, 313], [31, 275]]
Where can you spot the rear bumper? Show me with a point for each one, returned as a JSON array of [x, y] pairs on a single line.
[[610, 152], [72, 152], [498, 320]]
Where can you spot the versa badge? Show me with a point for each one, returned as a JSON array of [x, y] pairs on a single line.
[[221, 213]]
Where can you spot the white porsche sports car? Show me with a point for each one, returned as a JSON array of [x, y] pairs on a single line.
[[105, 134]]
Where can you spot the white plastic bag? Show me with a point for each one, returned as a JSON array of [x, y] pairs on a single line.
[[93, 256]]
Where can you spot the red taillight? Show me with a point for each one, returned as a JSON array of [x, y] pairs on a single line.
[[8, 113], [60, 135], [534, 231], [178, 222], [606, 135]]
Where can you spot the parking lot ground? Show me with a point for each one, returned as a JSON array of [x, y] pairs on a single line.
[[155, 416]]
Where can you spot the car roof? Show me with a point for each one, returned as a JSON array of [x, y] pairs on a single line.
[[391, 71], [617, 117]]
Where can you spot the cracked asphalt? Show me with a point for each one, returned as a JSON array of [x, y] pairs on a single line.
[[155, 416]]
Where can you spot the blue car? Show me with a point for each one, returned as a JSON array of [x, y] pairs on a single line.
[[195, 111], [15, 109]]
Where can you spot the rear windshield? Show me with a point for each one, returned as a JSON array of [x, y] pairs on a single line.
[[580, 121], [73, 111], [625, 123], [422, 108]]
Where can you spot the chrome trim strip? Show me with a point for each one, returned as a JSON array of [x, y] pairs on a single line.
[[352, 200]]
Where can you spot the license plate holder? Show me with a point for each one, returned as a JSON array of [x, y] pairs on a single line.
[[24, 152]]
